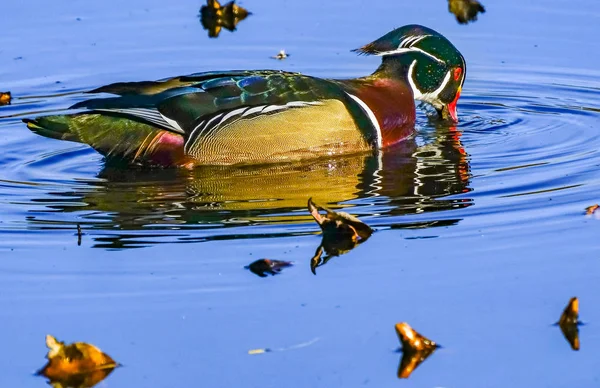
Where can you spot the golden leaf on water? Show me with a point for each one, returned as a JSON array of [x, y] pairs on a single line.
[[342, 232], [78, 364], [5, 98], [590, 210], [415, 349], [215, 16], [465, 10], [263, 267], [569, 323]]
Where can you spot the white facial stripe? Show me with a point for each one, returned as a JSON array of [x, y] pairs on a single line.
[[411, 70], [409, 49], [372, 117], [431, 97]]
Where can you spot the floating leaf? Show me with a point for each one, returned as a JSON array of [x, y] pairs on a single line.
[[75, 365], [465, 10], [258, 351], [281, 55], [590, 210], [415, 349], [263, 267], [215, 16], [341, 233], [569, 323], [5, 98]]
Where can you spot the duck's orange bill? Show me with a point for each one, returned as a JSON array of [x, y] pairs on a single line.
[[452, 106]]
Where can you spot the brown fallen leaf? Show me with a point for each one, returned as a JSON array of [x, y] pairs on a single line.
[[263, 267], [5, 98], [75, 365], [569, 323], [215, 16], [341, 233], [590, 210], [415, 349], [465, 10], [339, 224]]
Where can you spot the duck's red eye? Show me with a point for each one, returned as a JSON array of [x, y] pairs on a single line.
[[457, 73]]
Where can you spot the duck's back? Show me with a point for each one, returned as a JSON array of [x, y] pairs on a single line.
[[219, 118]]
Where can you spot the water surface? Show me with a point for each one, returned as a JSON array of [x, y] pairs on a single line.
[[481, 237]]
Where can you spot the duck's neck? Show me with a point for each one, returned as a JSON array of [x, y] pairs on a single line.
[[391, 101]]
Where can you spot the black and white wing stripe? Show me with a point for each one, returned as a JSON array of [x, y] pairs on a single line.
[[150, 115]]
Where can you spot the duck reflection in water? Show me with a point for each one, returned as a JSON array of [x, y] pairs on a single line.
[[127, 208]]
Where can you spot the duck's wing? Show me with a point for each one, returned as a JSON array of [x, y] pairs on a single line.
[[180, 104]]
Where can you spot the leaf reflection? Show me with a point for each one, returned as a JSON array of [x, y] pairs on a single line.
[[127, 208], [215, 16]]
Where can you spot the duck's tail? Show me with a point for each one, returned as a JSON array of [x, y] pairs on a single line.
[[113, 136], [55, 127]]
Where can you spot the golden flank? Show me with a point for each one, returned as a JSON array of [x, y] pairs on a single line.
[[77, 364], [415, 349], [569, 322], [5, 98]]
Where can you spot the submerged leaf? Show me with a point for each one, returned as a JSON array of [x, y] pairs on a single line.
[[569, 322], [263, 267], [415, 349], [5, 98], [342, 232], [75, 365], [215, 16], [465, 10]]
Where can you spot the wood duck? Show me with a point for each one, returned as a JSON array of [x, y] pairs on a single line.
[[265, 116]]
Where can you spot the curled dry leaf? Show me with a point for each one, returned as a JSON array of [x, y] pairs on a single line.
[[339, 224], [465, 10], [569, 322], [215, 16], [415, 349], [5, 98], [75, 365], [341, 233], [263, 267], [590, 210]]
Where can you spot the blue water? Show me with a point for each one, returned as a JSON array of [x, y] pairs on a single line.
[[481, 235]]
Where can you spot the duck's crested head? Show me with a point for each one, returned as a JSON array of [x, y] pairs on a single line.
[[432, 66]]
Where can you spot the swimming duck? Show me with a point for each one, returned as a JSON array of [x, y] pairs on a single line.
[[265, 116]]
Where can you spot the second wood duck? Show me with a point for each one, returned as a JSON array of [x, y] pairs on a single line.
[[266, 116]]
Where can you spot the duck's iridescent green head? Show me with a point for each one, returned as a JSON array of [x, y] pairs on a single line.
[[432, 66]]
